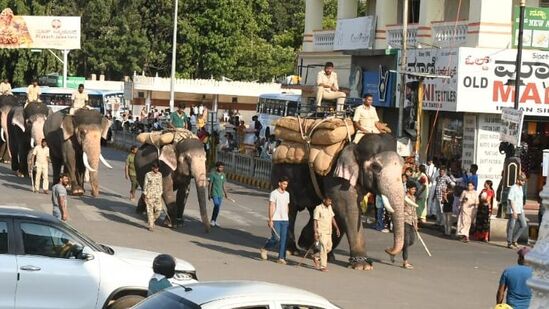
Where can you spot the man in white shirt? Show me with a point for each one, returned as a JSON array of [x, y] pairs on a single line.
[[79, 99], [40, 160], [328, 87], [5, 87], [33, 92], [279, 201], [365, 118], [515, 210]]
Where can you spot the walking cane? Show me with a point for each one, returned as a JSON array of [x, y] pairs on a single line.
[[423, 243]]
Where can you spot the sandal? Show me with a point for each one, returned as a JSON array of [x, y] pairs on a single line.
[[317, 263], [323, 269], [407, 266]]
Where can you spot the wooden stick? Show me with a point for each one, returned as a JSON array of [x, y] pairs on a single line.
[[423, 243]]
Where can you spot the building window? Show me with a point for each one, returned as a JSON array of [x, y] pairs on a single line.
[[413, 11], [451, 10], [447, 143]]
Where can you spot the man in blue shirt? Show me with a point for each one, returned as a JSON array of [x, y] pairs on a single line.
[[515, 210], [513, 279]]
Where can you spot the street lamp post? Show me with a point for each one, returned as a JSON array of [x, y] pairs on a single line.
[[518, 63], [174, 49]]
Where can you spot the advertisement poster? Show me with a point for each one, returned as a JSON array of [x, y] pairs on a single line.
[[486, 81], [469, 140], [40, 32], [355, 33], [511, 125], [536, 28], [489, 160], [381, 84], [438, 93]]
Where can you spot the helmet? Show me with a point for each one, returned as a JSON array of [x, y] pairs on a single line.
[[164, 264]]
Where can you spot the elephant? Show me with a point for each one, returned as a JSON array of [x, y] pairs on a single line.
[[25, 130], [179, 162], [7, 102], [75, 144], [372, 165]]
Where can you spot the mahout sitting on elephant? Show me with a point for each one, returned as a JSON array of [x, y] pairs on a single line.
[[181, 156], [372, 165], [75, 144]]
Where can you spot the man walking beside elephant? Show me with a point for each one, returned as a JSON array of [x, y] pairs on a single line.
[[279, 201], [40, 160], [152, 193], [324, 220]]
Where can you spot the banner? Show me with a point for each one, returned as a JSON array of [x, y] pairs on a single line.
[[536, 28], [438, 93], [511, 125], [486, 81], [355, 33], [40, 32], [488, 158], [381, 85]]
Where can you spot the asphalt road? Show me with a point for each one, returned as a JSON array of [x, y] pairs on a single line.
[[458, 275]]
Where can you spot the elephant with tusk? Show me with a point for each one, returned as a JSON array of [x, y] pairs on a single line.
[[7, 102], [181, 157], [75, 144]]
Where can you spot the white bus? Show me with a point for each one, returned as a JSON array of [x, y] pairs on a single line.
[[271, 107]]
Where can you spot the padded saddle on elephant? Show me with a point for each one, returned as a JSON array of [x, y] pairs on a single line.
[[313, 141], [165, 137]]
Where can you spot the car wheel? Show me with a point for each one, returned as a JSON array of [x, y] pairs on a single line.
[[126, 302]]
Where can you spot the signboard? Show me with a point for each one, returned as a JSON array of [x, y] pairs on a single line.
[[128, 91], [469, 140], [536, 28], [511, 125], [484, 85], [488, 158], [355, 33], [438, 93], [381, 85], [47, 32]]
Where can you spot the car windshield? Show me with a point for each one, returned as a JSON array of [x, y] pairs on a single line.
[[88, 241], [166, 300]]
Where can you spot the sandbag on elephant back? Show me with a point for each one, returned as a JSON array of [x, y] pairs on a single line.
[[165, 137], [323, 158], [289, 152], [324, 131]]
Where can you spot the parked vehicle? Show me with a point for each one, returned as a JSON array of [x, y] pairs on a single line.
[[46, 263], [235, 295]]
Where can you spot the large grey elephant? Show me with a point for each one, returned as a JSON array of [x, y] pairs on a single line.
[[179, 162], [372, 165], [25, 130], [7, 102], [75, 144]]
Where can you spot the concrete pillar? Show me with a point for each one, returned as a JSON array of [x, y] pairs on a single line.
[[314, 12], [538, 258], [486, 28], [386, 12], [429, 11], [347, 9]]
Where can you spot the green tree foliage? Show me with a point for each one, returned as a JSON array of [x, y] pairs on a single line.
[[238, 39]]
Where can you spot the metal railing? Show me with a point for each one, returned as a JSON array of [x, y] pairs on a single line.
[[394, 35], [449, 34], [323, 40], [123, 139], [245, 165]]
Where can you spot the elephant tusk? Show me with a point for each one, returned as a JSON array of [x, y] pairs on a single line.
[[32, 142], [387, 204], [2, 135], [104, 161], [86, 163]]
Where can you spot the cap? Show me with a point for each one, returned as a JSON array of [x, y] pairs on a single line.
[[523, 251]]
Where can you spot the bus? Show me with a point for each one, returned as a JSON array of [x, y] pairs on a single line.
[[59, 98]]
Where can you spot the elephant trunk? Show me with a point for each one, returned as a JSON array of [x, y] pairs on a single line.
[[396, 200], [37, 131], [201, 193], [198, 171], [91, 148]]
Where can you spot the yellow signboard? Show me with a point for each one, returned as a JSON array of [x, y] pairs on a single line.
[[48, 32]]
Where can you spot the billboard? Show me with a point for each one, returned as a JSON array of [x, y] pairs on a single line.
[[355, 33], [381, 85], [536, 28], [40, 32], [486, 81]]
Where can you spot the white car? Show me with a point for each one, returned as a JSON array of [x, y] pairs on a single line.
[[234, 295], [45, 263]]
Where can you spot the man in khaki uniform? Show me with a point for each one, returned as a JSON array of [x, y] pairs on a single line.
[[33, 92], [79, 99], [365, 118], [324, 220], [152, 192], [40, 159], [5, 87], [328, 88]]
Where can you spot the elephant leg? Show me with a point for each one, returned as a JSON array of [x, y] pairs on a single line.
[[69, 159], [335, 239], [306, 238], [56, 165], [290, 243], [181, 200], [141, 206], [169, 197]]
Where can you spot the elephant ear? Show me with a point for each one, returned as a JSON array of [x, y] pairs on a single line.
[[347, 165], [18, 119], [168, 156], [68, 127], [105, 125]]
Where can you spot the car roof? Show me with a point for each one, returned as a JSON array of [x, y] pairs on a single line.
[[204, 292], [26, 213]]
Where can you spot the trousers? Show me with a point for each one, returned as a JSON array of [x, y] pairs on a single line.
[[409, 239], [281, 228], [41, 172], [325, 247], [514, 234], [217, 200], [154, 208], [448, 221], [326, 94]]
